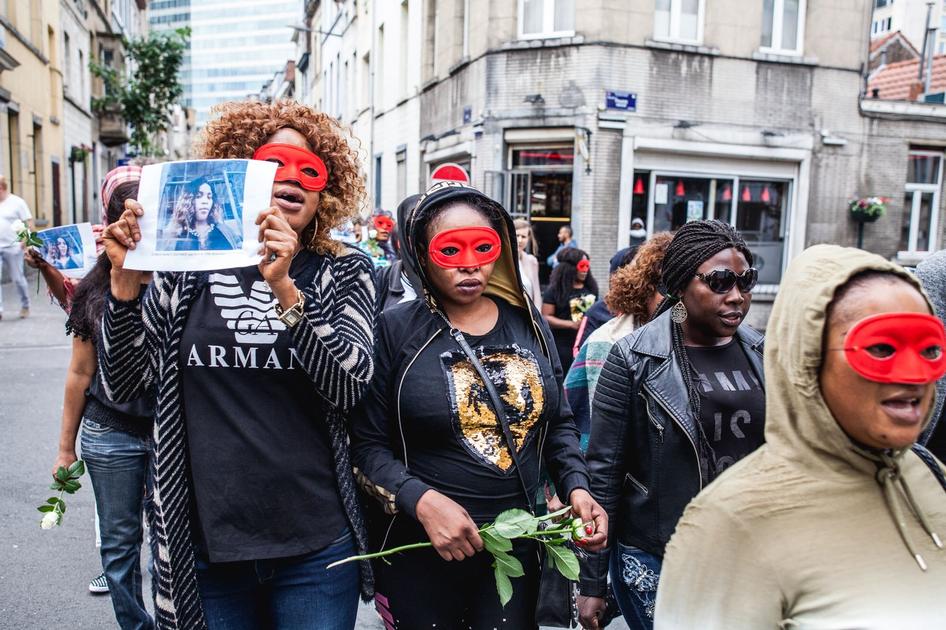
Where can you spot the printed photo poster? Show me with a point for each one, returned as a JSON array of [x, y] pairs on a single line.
[[69, 248], [200, 215]]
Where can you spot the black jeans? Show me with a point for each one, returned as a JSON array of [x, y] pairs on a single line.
[[418, 589]]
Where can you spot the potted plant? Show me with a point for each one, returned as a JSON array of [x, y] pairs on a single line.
[[867, 209]]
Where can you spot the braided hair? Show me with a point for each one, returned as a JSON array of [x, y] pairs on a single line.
[[692, 245]]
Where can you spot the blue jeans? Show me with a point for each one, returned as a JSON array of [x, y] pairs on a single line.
[[634, 577], [118, 466], [282, 593]]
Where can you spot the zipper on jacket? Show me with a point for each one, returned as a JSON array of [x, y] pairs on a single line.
[[397, 401], [636, 484], [696, 453], [653, 420]]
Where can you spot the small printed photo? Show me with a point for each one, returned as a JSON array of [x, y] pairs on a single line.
[[69, 248], [201, 206]]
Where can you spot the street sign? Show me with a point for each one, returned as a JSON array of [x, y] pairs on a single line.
[[616, 99], [449, 172]]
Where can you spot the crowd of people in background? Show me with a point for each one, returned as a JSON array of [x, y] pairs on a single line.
[[728, 478]]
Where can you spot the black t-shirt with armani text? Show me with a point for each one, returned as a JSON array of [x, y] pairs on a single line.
[[732, 402], [260, 455], [454, 440]]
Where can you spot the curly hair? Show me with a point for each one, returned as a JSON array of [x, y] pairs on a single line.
[[185, 210], [242, 127], [633, 285]]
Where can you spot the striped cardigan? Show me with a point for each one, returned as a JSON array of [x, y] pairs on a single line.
[[141, 347]]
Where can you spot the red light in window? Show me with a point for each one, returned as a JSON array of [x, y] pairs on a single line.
[[766, 197], [639, 186], [680, 190], [746, 195], [727, 193]]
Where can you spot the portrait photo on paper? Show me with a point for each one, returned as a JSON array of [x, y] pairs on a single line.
[[68, 248], [201, 206], [200, 215]]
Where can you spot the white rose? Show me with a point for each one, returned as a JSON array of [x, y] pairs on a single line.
[[50, 520], [18, 226]]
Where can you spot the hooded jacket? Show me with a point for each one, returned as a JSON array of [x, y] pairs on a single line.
[[404, 332], [804, 532]]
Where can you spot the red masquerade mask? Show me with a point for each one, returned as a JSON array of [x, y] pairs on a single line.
[[465, 247], [583, 265], [295, 164], [897, 348], [383, 223]]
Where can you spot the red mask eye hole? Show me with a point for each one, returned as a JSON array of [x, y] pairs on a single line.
[[933, 353], [449, 251], [881, 351]]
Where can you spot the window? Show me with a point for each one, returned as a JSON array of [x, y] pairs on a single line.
[[66, 63], [402, 53], [783, 23], [546, 18], [879, 4], [679, 20], [377, 181], [401, 174], [921, 201]]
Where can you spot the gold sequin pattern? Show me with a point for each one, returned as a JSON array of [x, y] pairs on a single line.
[[515, 374]]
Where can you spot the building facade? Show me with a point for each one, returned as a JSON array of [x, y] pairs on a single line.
[[31, 106], [234, 46], [909, 17], [592, 114]]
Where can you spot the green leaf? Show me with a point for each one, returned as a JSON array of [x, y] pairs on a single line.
[[71, 486], [77, 469], [62, 507], [503, 586], [565, 561], [57, 486], [45, 508], [495, 543], [62, 474], [508, 565], [52, 500], [514, 523]]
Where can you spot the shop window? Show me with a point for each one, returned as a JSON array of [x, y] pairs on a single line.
[[679, 200], [543, 157], [546, 18], [783, 23], [760, 218], [679, 20], [921, 201]]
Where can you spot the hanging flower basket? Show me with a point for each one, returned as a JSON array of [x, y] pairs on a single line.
[[867, 209]]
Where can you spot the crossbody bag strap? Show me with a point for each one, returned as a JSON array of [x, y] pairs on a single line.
[[498, 409]]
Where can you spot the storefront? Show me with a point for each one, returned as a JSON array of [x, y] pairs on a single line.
[[760, 193]]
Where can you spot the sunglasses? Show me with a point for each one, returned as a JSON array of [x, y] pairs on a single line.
[[723, 280]]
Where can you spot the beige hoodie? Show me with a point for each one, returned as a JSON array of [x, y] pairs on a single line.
[[801, 534]]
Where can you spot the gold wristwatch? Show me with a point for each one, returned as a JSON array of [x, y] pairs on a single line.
[[292, 315]]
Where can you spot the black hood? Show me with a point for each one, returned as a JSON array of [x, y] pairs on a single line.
[[504, 283], [407, 265]]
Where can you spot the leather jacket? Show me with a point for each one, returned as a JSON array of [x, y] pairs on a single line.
[[643, 457]]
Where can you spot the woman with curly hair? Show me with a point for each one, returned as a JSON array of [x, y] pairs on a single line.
[[197, 223], [634, 297], [254, 369]]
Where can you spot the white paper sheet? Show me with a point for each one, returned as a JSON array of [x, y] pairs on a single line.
[[69, 248], [200, 215]]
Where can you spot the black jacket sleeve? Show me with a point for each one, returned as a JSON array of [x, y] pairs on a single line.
[[611, 420], [374, 433]]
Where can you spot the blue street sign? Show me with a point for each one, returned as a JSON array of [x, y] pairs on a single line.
[[616, 99]]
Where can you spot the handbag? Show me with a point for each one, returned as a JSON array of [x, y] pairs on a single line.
[[557, 604]]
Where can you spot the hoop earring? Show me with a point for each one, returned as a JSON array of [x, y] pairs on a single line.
[[315, 232], [678, 314]]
